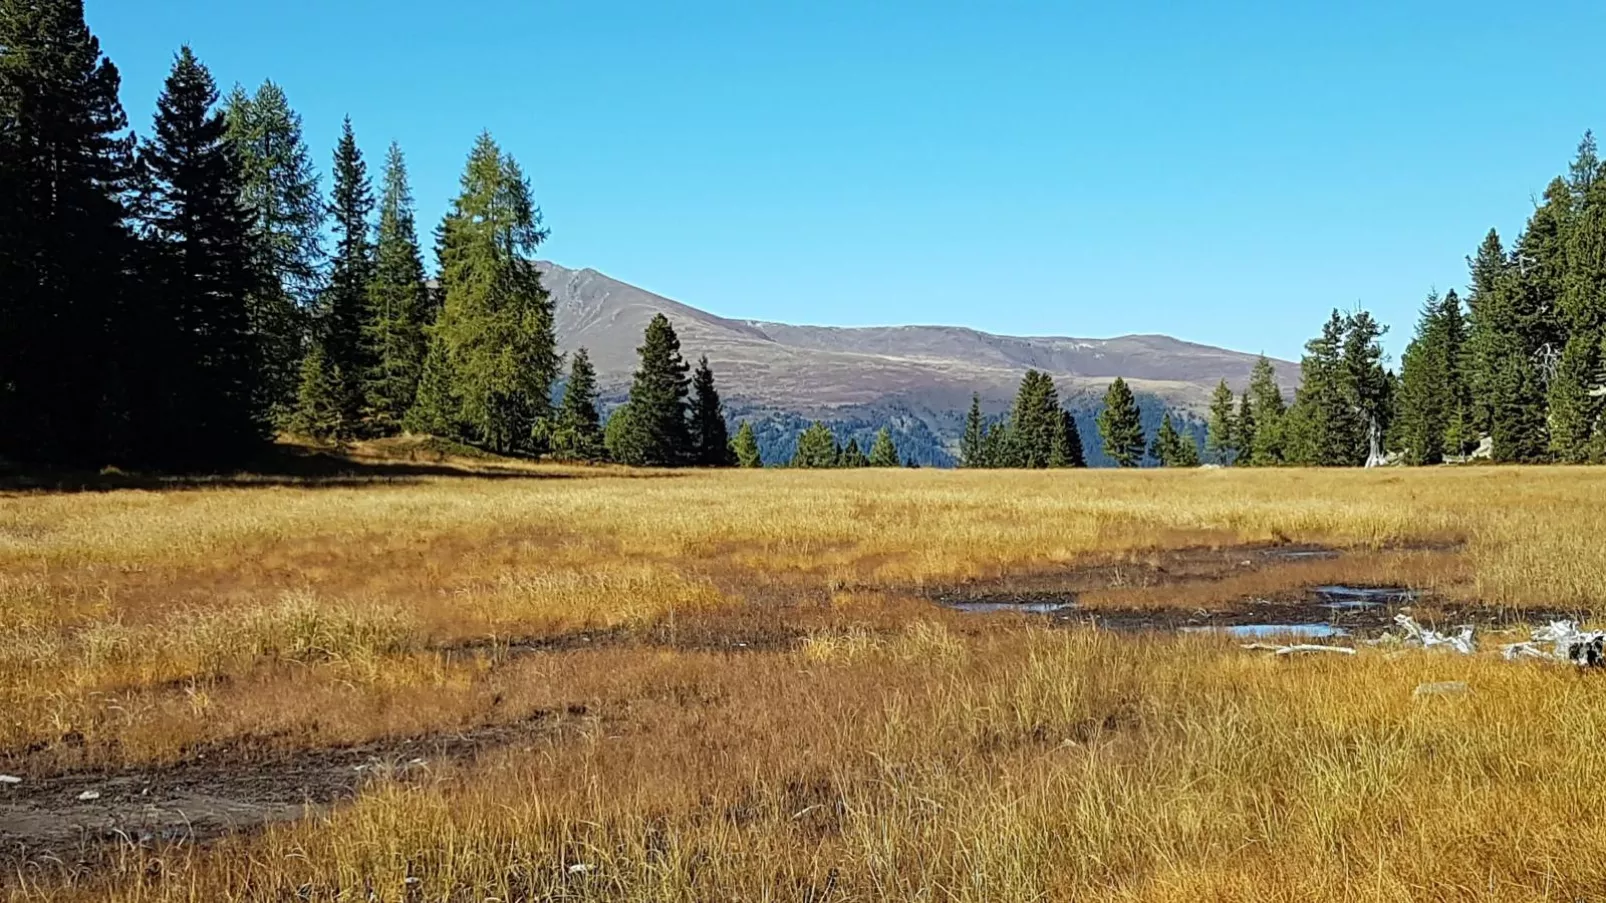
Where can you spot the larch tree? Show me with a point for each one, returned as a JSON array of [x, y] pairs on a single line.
[[279, 187], [495, 328], [1121, 425]]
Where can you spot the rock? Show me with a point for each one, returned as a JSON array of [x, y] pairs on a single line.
[[1446, 688], [10, 779]]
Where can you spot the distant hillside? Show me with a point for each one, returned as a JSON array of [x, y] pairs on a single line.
[[918, 379]]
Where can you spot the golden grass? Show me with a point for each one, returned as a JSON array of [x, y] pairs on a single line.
[[776, 713]]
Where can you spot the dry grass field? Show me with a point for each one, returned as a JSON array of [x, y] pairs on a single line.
[[531, 683]]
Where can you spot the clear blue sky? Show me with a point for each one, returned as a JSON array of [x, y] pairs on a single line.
[[1226, 176]]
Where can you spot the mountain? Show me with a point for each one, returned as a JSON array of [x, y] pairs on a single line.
[[918, 379]]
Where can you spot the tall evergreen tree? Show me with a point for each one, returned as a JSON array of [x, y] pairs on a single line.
[[1573, 408], [1220, 440], [884, 452], [1261, 416], [345, 305], [1036, 427], [745, 447], [280, 190], [1324, 428], [1366, 384], [495, 327], [1518, 433], [1075, 455], [1165, 449], [710, 439], [852, 456], [1492, 337], [1426, 395], [972, 446], [1121, 425], [70, 322], [577, 435], [398, 305], [654, 430], [816, 448]]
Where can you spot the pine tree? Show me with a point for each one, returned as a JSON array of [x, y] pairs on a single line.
[[398, 305], [816, 448], [745, 447], [972, 446], [1425, 390], [577, 435], [1261, 416], [1075, 456], [1325, 427], [710, 439], [280, 189], [495, 326], [203, 271], [883, 452], [654, 431], [1491, 336], [1121, 425], [1367, 386], [73, 337], [1221, 439]]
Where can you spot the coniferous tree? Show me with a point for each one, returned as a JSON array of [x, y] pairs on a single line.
[[73, 333], [1324, 428], [280, 189], [1573, 409], [745, 447], [202, 261], [1261, 416], [1425, 398], [345, 306], [1366, 384], [1036, 427], [852, 456], [397, 303], [997, 447], [710, 438], [653, 430], [320, 411], [577, 435], [972, 443], [816, 448], [1165, 449], [1075, 455], [1221, 439], [1491, 334], [883, 452], [1518, 431], [1121, 425], [495, 326]]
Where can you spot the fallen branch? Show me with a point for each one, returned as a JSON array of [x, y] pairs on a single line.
[[1298, 649], [1462, 642]]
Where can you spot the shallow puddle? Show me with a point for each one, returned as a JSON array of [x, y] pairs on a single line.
[[1309, 631], [1027, 608], [1350, 597]]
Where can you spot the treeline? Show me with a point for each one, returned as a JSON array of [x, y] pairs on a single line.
[[174, 301]]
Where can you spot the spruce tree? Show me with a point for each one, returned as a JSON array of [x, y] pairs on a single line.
[[1324, 428], [745, 447], [203, 271], [1165, 449], [816, 448], [1121, 425], [344, 306], [1035, 424], [495, 326], [1573, 409], [883, 452], [577, 435], [1425, 391], [1519, 433], [1491, 336], [1220, 440], [320, 410], [1261, 415], [655, 431], [398, 305], [1366, 384], [1075, 456], [74, 341], [280, 190], [852, 456], [710, 438], [997, 447], [972, 446]]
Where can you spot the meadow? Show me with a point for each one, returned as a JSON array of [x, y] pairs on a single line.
[[489, 681]]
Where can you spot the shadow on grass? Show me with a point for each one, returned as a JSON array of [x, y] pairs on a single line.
[[295, 466]]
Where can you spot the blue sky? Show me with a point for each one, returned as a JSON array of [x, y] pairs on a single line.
[[1224, 175]]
